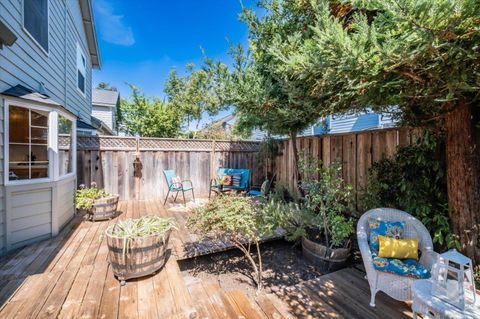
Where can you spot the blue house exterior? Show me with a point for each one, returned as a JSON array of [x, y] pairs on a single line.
[[333, 124]]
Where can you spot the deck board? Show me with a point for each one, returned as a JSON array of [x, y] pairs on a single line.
[[69, 277]]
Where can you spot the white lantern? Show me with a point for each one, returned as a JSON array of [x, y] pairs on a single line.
[[452, 279]]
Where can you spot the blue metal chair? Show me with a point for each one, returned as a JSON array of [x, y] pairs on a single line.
[[262, 190], [244, 182], [169, 175]]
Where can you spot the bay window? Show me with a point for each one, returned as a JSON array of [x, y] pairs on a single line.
[[40, 143]]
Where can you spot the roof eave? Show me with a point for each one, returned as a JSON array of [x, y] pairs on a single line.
[[89, 25]]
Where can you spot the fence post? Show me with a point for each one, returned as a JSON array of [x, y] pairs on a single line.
[[212, 160]]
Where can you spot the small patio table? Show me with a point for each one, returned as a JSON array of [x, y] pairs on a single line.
[[425, 304]]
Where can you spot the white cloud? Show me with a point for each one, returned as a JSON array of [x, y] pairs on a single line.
[[112, 27]]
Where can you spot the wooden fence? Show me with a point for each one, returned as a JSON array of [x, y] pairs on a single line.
[[355, 151], [109, 161], [133, 168]]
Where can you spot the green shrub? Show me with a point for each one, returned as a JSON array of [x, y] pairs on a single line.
[[414, 181], [326, 210], [328, 205], [86, 196], [235, 219]]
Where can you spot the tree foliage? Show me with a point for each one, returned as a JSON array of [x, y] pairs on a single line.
[[419, 55], [197, 92], [106, 86], [149, 116]]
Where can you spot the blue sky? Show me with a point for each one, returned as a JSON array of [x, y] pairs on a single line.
[[140, 41]]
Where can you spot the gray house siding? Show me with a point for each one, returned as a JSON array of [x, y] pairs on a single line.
[[30, 213], [105, 114], [352, 123], [27, 64]]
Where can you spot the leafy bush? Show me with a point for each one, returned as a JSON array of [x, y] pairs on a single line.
[[326, 209], [86, 196], [235, 219], [414, 181]]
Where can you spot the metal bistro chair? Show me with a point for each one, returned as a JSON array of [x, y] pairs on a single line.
[[169, 175], [263, 189]]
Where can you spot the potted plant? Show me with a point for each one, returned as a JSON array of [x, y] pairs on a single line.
[[323, 220], [138, 247], [96, 202]]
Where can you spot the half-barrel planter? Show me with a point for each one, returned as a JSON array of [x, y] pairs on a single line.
[[133, 257]]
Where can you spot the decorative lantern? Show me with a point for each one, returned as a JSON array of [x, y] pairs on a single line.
[[453, 280]]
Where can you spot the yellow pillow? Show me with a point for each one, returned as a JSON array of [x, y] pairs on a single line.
[[397, 248]]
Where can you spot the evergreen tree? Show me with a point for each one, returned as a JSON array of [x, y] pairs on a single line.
[[422, 57]]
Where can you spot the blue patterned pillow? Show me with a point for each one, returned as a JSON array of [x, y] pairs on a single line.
[[383, 228], [403, 267]]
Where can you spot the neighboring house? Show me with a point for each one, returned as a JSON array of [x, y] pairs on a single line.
[[104, 108], [47, 51], [333, 124]]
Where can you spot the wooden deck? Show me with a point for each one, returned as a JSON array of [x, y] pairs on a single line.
[[69, 277]]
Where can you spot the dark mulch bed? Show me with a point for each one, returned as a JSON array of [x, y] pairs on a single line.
[[284, 266]]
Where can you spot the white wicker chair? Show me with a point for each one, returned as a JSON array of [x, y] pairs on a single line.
[[396, 286]]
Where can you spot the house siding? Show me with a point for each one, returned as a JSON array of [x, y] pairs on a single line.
[[29, 215], [104, 114], [27, 64], [351, 123], [65, 195]]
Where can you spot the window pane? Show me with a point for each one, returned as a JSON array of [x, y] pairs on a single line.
[[39, 154], [18, 124], [19, 171], [39, 170], [39, 118], [19, 153], [35, 17], [81, 81], [65, 154], [28, 143], [39, 135]]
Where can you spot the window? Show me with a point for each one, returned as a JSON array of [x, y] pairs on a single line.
[[81, 69], [28, 145], [65, 145], [40, 143], [35, 21]]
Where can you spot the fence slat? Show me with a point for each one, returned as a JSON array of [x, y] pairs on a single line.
[[354, 151]]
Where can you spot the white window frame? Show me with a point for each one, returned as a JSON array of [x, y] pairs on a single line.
[[42, 49], [80, 58], [73, 148], [53, 168]]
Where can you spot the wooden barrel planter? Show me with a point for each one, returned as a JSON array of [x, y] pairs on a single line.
[[326, 259], [143, 256], [104, 208]]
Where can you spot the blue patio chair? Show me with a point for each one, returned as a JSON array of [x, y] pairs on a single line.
[[169, 175], [244, 182], [262, 190]]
